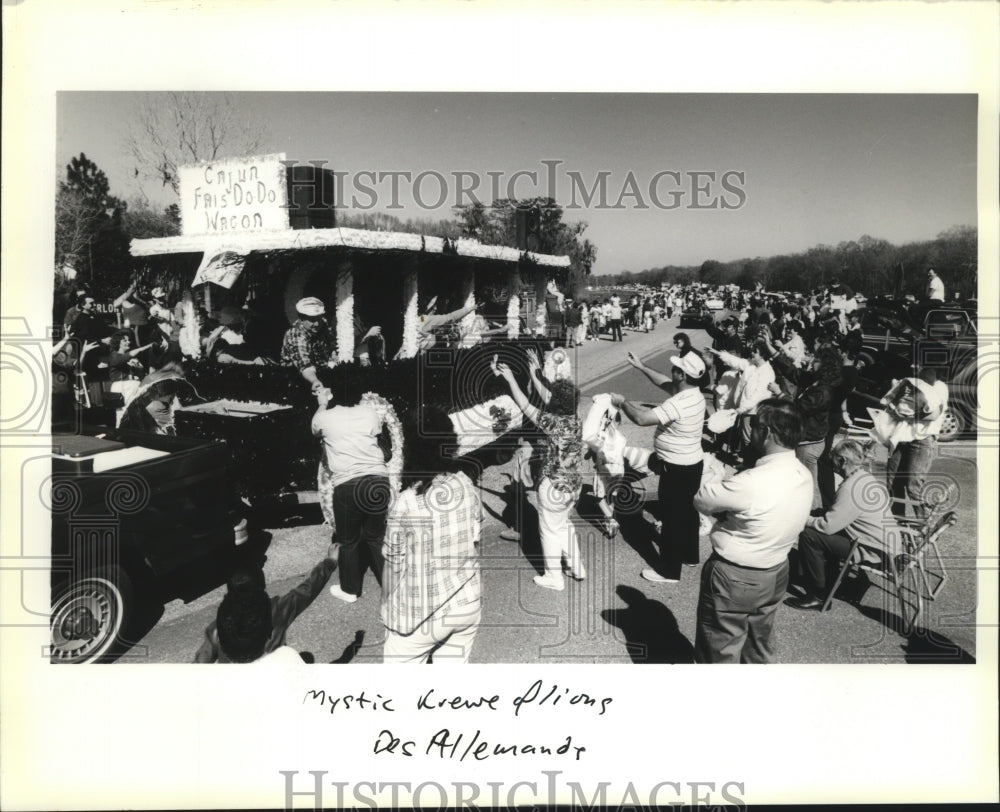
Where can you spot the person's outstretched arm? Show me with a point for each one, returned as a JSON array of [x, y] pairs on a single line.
[[665, 382], [294, 602], [124, 297], [535, 375], [527, 408], [636, 412]]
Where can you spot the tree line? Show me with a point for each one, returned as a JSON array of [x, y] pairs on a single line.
[[496, 224], [870, 265]]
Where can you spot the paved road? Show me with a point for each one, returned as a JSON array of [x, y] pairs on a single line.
[[613, 616]]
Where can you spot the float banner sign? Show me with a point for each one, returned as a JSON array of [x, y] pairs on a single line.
[[235, 195], [222, 267]]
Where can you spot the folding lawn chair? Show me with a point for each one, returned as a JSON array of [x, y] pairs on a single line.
[[907, 573]]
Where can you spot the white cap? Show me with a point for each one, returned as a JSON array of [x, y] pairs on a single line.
[[310, 306], [692, 364]]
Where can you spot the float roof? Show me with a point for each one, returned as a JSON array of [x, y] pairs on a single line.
[[363, 239]]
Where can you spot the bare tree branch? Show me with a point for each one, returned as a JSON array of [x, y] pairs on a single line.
[[176, 128]]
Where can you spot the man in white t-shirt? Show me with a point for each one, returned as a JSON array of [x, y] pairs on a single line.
[[615, 319], [935, 287], [677, 457], [354, 444]]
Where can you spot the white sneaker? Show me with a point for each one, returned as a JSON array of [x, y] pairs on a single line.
[[652, 575], [339, 593], [554, 582]]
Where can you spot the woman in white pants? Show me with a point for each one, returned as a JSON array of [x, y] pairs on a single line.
[[561, 481]]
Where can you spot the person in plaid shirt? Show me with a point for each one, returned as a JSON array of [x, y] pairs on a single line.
[[308, 343], [431, 587]]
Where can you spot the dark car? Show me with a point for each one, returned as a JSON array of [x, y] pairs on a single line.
[[696, 318], [129, 512]]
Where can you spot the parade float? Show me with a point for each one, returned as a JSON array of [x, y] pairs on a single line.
[[260, 234]]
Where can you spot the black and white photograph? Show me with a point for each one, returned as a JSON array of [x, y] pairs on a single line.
[[582, 389], [498, 386]]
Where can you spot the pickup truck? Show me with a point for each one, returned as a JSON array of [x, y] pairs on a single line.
[[895, 342], [129, 512]]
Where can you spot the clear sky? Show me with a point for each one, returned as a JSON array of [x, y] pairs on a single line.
[[815, 168]]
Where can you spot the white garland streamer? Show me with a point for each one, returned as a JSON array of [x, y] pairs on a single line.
[[468, 321], [410, 315], [345, 316], [513, 304], [513, 316], [188, 336], [541, 289], [388, 416]]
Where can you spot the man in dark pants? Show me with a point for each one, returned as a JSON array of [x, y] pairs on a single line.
[[354, 443], [677, 458], [763, 509], [615, 320]]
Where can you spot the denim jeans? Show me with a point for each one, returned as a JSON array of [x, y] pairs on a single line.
[[906, 472], [808, 454], [359, 509]]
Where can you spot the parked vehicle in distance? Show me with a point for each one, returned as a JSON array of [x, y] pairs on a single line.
[[129, 510], [893, 324], [695, 317], [714, 303]]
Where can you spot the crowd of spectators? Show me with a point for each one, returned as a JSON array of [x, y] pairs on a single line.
[[773, 402]]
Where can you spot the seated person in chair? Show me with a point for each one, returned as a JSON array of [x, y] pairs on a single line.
[[861, 511]]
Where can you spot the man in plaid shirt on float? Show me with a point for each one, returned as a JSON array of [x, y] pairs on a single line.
[[308, 343]]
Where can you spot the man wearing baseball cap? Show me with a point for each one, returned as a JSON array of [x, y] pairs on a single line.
[[308, 343], [677, 457]]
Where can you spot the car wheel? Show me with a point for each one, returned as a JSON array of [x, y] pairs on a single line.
[[90, 616], [952, 426]]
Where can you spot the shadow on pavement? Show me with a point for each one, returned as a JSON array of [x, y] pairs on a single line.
[[640, 534], [650, 629], [518, 513], [925, 646], [352, 648], [921, 645]]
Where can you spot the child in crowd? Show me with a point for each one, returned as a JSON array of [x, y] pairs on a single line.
[[250, 623]]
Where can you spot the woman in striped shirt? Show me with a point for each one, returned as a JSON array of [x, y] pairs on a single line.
[[677, 457]]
